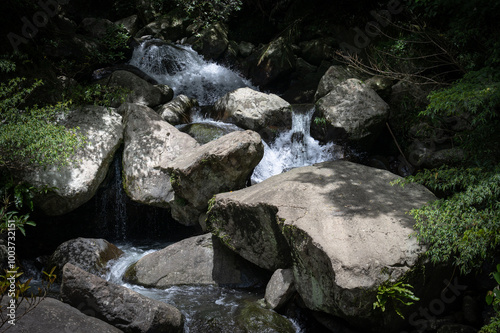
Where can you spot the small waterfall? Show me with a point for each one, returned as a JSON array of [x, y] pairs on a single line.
[[186, 72], [112, 204], [293, 148]]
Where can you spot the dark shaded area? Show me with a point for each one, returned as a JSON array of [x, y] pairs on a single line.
[[110, 214]]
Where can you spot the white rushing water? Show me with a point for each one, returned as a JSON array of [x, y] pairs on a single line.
[[293, 148], [186, 72]]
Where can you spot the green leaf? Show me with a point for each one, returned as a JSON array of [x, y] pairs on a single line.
[[496, 275], [489, 298]]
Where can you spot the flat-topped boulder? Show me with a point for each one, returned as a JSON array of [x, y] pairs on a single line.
[[345, 227], [254, 110]]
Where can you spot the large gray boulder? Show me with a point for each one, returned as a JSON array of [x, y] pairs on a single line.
[[345, 226], [51, 315], [221, 165], [89, 254], [117, 305], [75, 184], [148, 142], [254, 110], [141, 91], [199, 260], [355, 111], [332, 78]]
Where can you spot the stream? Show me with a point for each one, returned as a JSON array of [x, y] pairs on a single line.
[[202, 306], [206, 308]]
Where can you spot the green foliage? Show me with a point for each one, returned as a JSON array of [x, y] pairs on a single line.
[[205, 13], [20, 293], [476, 97], [32, 136], [17, 202], [462, 227], [469, 25], [113, 45], [320, 121], [96, 94], [493, 326], [394, 294], [493, 298]]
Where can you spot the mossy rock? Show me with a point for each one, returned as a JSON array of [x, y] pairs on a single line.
[[204, 133], [257, 319]]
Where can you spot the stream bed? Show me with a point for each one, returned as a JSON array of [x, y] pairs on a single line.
[[206, 308]]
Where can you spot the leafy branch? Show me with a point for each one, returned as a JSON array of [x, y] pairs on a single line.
[[396, 294]]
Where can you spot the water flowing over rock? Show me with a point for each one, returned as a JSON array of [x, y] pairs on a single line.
[[52, 315], [117, 305], [218, 166], [89, 254], [254, 110], [199, 260], [355, 111], [75, 184], [185, 71], [294, 148], [150, 141], [345, 226]]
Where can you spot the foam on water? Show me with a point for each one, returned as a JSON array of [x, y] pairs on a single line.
[[186, 72]]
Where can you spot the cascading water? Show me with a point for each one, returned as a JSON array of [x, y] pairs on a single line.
[[293, 148], [185, 71], [111, 207]]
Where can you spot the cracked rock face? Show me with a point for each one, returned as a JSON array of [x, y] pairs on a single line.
[[345, 228]]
